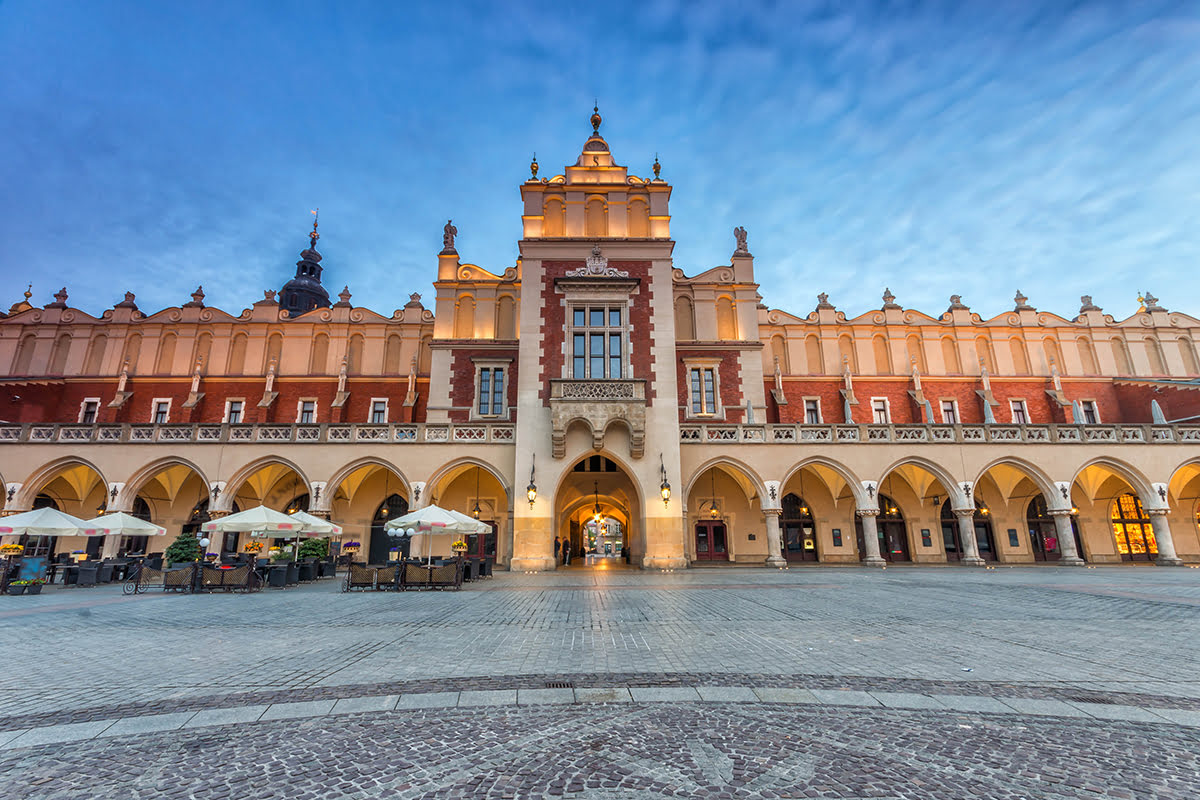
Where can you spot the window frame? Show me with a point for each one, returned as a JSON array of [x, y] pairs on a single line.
[[887, 411], [154, 404], [1018, 403], [953, 410], [820, 412], [494, 412], [1094, 408], [371, 411], [704, 365], [229, 411], [300, 410], [605, 331], [83, 404]]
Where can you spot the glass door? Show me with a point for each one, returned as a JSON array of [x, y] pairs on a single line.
[[710, 542]]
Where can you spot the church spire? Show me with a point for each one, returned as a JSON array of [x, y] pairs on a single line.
[[304, 292]]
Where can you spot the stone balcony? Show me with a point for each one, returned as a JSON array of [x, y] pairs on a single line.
[[599, 404], [950, 434], [396, 433]]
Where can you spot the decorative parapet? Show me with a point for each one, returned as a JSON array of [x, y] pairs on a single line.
[[938, 434], [415, 433], [599, 404]]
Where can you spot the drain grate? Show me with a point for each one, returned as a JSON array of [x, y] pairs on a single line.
[[1104, 701], [559, 685]]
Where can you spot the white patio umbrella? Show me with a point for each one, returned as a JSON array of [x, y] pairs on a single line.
[[49, 522], [122, 524], [315, 526], [430, 519], [258, 521]]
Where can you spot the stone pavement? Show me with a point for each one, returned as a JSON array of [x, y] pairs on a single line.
[[825, 682]]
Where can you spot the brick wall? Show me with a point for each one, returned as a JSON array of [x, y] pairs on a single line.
[[462, 380], [730, 388]]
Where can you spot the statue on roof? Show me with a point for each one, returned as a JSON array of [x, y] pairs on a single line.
[[739, 233], [448, 234]]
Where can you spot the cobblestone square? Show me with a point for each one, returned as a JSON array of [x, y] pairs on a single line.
[[589, 683]]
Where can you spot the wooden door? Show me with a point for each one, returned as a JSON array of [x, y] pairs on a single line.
[[710, 542]]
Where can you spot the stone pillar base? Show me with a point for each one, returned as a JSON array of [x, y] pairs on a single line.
[[973, 561], [874, 561], [544, 564], [664, 562], [777, 562], [1168, 562], [1072, 562]]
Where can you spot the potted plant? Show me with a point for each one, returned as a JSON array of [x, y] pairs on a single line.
[[459, 546], [314, 548], [35, 586], [11, 549], [253, 547], [17, 587]]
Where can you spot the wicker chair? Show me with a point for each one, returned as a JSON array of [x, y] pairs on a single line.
[[359, 577]]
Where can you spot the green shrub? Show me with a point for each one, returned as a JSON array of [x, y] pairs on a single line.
[[314, 548], [186, 547]]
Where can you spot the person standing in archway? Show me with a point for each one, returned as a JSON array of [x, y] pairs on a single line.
[[566, 551], [557, 548]]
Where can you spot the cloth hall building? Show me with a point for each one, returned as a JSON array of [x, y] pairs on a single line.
[[596, 392]]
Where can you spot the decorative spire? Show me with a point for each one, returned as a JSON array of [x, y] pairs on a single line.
[[197, 299], [1022, 302], [956, 304], [60, 299], [657, 167], [889, 299], [533, 168], [343, 298], [312, 237], [128, 302], [596, 119], [823, 300], [1086, 304]]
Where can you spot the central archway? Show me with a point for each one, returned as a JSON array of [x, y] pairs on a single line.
[[597, 511]]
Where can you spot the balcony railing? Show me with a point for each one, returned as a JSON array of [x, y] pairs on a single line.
[[957, 434], [396, 433]]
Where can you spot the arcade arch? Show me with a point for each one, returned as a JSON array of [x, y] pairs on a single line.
[[599, 480], [725, 521]]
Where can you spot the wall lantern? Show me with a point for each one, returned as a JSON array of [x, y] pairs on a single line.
[[531, 489], [665, 488]]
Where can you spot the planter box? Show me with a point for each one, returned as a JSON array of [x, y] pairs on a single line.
[[16, 590], [33, 588]]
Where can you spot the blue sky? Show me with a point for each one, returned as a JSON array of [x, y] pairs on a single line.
[[971, 148]]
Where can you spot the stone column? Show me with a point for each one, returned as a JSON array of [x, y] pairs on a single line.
[[966, 536], [1162, 536], [774, 540], [871, 537], [1066, 537]]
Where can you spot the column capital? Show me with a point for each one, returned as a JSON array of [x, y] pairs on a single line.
[[1158, 512], [772, 512], [867, 512], [964, 512], [218, 514], [1059, 512]]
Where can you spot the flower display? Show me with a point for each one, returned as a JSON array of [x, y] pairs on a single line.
[[458, 545], [11, 549], [253, 547]]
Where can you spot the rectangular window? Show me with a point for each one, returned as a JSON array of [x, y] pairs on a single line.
[[379, 411], [949, 412], [598, 342], [491, 391], [162, 412], [812, 411], [704, 391], [879, 410], [1019, 415], [1091, 416], [233, 412], [307, 412], [88, 410]]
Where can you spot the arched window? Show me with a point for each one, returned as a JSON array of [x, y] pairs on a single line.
[[506, 317], [552, 224], [950, 356], [1132, 529], [299, 503], [639, 219], [727, 328], [595, 220], [237, 355], [391, 356], [685, 319], [318, 357], [883, 355], [354, 355], [1043, 534], [1087, 357], [166, 355], [1187, 350], [1020, 357], [58, 357], [464, 318], [812, 354], [1158, 364], [1121, 356], [24, 359], [983, 348], [847, 352], [94, 362], [916, 350]]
